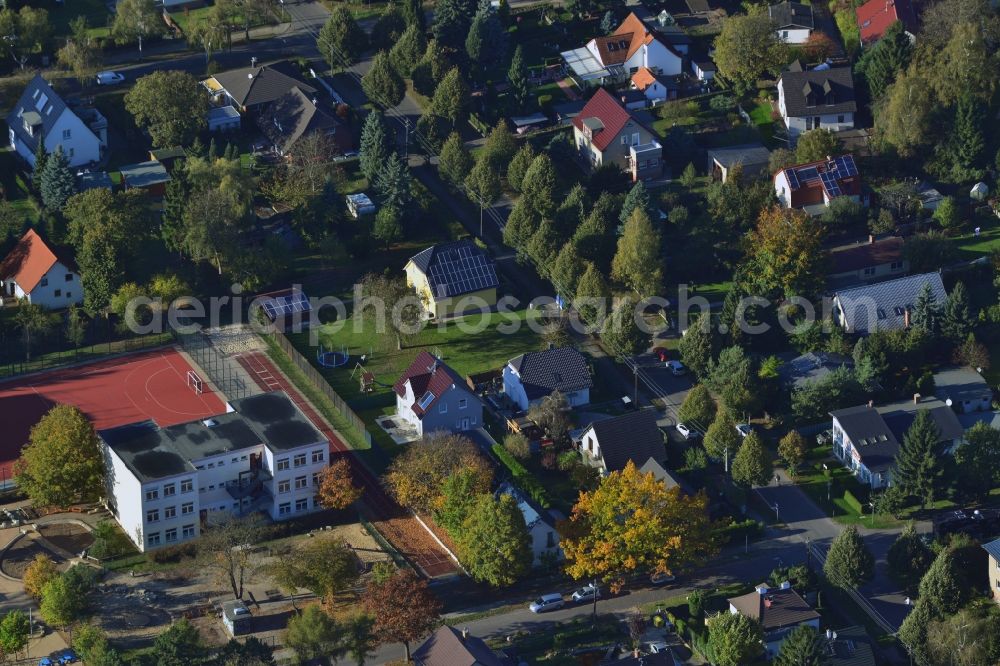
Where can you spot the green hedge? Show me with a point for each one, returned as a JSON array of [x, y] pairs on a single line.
[[734, 531], [854, 502], [523, 479]]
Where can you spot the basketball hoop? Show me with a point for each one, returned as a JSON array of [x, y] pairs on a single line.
[[195, 382]]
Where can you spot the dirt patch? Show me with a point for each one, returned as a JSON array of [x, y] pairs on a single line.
[[365, 547], [23, 552], [67, 536]]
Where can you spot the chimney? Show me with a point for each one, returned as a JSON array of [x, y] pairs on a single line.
[[785, 585], [829, 634], [762, 589], [767, 602], [465, 633], [906, 318], [916, 398], [871, 239]]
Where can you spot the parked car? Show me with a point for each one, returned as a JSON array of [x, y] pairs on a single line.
[[662, 578], [587, 593], [744, 429], [657, 647], [676, 368], [686, 432], [825, 437], [547, 602], [109, 78], [68, 657]]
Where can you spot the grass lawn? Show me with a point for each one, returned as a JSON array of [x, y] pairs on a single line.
[[970, 246], [992, 373], [760, 114], [813, 480], [61, 14], [14, 189], [715, 292], [479, 348], [186, 19]]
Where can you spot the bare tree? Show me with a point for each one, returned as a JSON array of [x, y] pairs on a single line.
[[228, 548]]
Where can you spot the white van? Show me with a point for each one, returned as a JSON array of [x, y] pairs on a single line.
[[109, 78]]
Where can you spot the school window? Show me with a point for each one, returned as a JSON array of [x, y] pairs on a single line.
[[171, 534], [318, 456], [315, 479], [187, 531], [284, 508], [302, 504], [153, 516], [284, 486], [299, 460], [186, 508], [169, 489], [300, 482], [187, 485], [153, 539], [169, 512], [152, 494]]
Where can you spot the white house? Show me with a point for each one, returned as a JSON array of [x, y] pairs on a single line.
[[529, 377], [793, 21], [34, 271], [777, 610], [619, 55], [164, 484], [432, 397], [545, 547], [818, 98], [811, 187], [866, 439], [610, 444], [41, 115]]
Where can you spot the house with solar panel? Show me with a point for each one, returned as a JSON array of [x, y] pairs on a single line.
[[811, 187], [819, 98], [431, 397], [451, 278], [41, 116], [529, 377]]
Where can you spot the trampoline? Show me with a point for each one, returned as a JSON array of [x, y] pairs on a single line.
[[332, 359]]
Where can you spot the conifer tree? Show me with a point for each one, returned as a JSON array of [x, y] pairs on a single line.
[[918, 470], [374, 150], [57, 181]]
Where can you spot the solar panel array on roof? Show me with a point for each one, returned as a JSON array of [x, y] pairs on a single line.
[[281, 306], [461, 270], [793, 178], [809, 173], [830, 184], [846, 166]]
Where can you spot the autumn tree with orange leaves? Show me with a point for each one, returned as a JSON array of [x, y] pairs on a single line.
[[404, 608], [416, 477], [633, 522], [336, 485], [785, 253]]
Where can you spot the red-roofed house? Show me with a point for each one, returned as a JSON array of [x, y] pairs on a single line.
[[606, 133], [621, 54], [431, 397], [654, 87], [811, 187], [41, 274], [875, 17]]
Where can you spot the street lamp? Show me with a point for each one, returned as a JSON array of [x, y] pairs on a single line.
[[872, 505], [777, 519]]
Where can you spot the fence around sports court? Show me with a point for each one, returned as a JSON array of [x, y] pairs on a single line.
[[221, 370], [55, 352]]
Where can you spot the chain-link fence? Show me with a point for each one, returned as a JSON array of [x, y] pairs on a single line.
[[221, 370]]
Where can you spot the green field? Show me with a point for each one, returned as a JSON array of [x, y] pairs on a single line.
[[970, 246], [62, 14]]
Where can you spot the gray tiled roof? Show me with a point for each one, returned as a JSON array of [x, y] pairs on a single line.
[[448, 647], [776, 609], [144, 174], [631, 437], [542, 372], [993, 548], [812, 366], [887, 301], [29, 103], [252, 86], [292, 116], [456, 268], [960, 384], [791, 15], [853, 647], [660, 473], [841, 85]]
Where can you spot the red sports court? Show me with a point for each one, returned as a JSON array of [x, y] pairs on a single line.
[[159, 385]]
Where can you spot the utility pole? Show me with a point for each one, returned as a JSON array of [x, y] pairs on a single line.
[[596, 591]]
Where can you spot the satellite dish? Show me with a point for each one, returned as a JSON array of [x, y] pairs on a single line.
[[948, 402]]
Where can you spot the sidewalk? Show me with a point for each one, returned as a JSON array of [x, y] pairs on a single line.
[[172, 46]]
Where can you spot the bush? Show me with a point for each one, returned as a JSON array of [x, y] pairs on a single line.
[[522, 477], [734, 531], [173, 554], [853, 502], [544, 101], [517, 445], [678, 110], [722, 103], [567, 460]]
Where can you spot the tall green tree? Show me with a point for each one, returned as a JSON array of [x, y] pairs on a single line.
[[24, 32], [170, 105], [803, 646], [918, 471], [909, 558], [14, 632], [500, 147], [621, 333], [388, 226], [452, 19], [637, 261], [62, 464], [977, 461], [341, 40], [943, 588], [250, 652], [451, 98], [136, 20], [697, 345], [179, 645], [849, 563], [816, 145], [57, 183], [494, 542], [734, 639], [519, 165], [394, 183], [313, 635], [926, 313], [486, 42], [881, 63], [567, 270], [748, 48], [483, 186], [722, 441], [538, 186], [408, 50], [793, 449], [382, 84], [413, 13], [968, 138], [593, 296], [637, 198], [698, 408], [375, 147], [521, 225], [517, 75], [752, 464], [956, 316]]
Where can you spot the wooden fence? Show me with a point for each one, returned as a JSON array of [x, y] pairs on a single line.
[[321, 385]]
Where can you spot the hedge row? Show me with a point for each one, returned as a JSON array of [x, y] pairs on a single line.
[[734, 531], [523, 479]]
